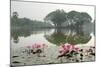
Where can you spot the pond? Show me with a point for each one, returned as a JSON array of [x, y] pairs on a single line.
[[23, 39]]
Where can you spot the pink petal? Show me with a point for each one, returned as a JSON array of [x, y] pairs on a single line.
[[38, 46], [68, 46]]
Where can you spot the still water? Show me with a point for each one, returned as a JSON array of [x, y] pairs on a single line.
[[53, 39]]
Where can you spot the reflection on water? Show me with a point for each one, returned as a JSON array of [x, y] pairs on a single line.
[[16, 34], [53, 38], [68, 36]]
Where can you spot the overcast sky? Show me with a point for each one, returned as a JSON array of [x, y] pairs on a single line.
[[37, 11]]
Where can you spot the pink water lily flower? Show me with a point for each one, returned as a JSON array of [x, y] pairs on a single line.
[[63, 51], [64, 47], [67, 48], [38, 46]]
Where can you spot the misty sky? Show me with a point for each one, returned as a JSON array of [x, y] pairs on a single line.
[[38, 11]]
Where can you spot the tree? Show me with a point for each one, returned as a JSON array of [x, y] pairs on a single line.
[[15, 15], [85, 17], [57, 17], [79, 18], [14, 18]]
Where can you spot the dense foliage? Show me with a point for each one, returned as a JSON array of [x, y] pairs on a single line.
[[73, 18]]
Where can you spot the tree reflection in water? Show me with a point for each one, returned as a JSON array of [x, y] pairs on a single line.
[[71, 36], [16, 33], [59, 36]]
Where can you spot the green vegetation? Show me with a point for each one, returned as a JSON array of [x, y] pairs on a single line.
[[25, 23], [71, 19], [59, 18]]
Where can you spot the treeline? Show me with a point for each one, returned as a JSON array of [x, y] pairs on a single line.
[[59, 18], [73, 19], [25, 23]]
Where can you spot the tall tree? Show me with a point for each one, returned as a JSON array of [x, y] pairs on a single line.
[[15, 15], [57, 17], [14, 18], [79, 18]]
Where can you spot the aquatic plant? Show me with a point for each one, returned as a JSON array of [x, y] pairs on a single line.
[[90, 51], [68, 50], [35, 48]]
